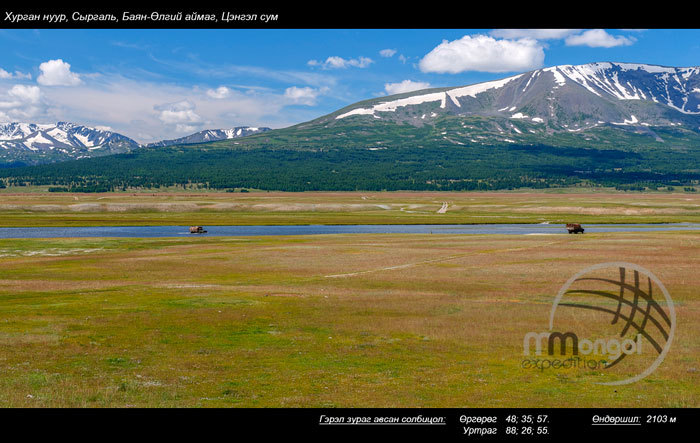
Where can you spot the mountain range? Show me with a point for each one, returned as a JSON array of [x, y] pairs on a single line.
[[595, 104], [40, 143], [611, 124], [210, 135], [33, 143]]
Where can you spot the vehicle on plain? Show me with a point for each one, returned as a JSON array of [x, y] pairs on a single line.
[[574, 228]]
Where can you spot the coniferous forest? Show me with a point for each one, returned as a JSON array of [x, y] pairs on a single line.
[[342, 169]]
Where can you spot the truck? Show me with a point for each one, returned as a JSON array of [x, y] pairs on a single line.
[[574, 228]]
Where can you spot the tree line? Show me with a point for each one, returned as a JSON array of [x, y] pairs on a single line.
[[349, 169]]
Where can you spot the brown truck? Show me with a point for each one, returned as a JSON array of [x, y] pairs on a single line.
[[197, 230], [574, 228]]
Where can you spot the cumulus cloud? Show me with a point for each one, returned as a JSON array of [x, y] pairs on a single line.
[[387, 52], [57, 73], [598, 38], [335, 62], [219, 93], [303, 96], [180, 114], [21, 102], [4, 75], [28, 94], [485, 54], [404, 86], [535, 34]]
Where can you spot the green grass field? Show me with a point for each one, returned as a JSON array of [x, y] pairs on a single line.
[[320, 321]]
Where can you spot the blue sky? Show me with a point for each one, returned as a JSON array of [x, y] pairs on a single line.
[[155, 84]]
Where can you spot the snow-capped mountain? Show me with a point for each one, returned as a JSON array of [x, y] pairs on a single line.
[[560, 99], [30, 142], [210, 135], [597, 105], [41, 143]]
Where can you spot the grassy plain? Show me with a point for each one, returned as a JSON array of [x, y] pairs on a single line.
[[321, 321], [281, 208]]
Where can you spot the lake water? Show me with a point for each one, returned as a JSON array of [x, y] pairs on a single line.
[[183, 231]]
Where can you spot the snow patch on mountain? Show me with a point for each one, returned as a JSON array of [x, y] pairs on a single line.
[[474, 90], [210, 135], [442, 97]]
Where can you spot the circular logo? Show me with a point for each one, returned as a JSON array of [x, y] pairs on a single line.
[[618, 317]]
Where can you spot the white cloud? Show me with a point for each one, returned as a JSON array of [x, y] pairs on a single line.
[[599, 38], [483, 53], [536, 34], [180, 114], [57, 73], [27, 94], [22, 102], [303, 96], [219, 93], [335, 62], [405, 86], [17, 75], [387, 52], [185, 128], [150, 111]]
